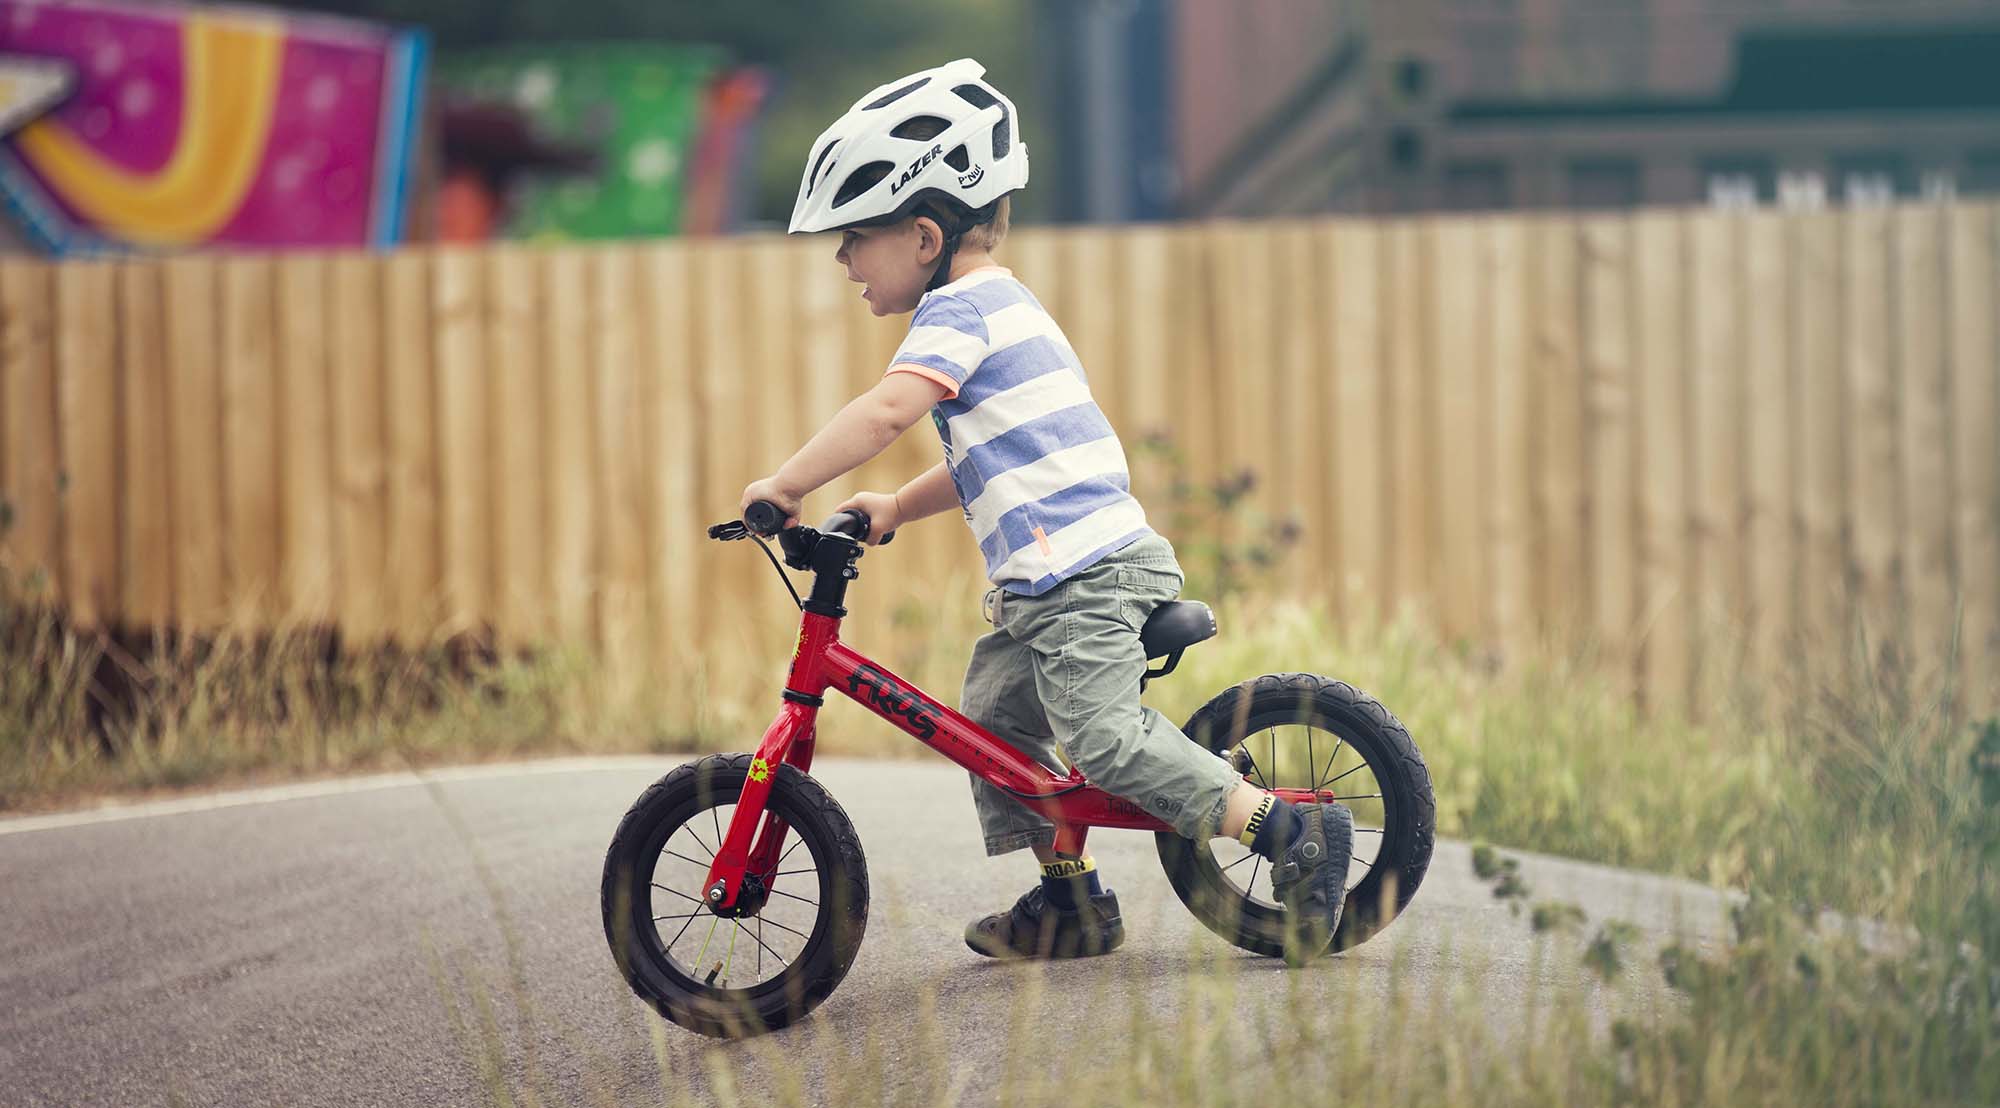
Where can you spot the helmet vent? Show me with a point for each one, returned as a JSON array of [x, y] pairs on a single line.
[[894, 95], [958, 159], [920, 127], [861, 180], [819, 163], [1002, 133]]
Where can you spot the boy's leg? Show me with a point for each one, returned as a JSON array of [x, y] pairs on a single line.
[[1000, 696], [1087, 662]]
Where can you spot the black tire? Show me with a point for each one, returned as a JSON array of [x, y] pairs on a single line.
[[647, 957], [1407, 811]]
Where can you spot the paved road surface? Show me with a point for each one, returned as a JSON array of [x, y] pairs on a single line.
[[314, 947]]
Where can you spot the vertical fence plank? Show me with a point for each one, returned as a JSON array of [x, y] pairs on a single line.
[[87, 399], [1089, 316], [1661, 364], [360, 473], [1873, 512], [516, 368], [146, 462], [1605, 282], [621, 596], [466, 536], [1562, 589], [569, 419], [672, 453], [1352, 416], [1301, 471], [250, 441], [1821, 442], [1193, 362], [1509, 417], [1716, 381], [728, 460], [1458, 320], [1975, 384], [1410, 492], [1768, 542], [410, 585], [1145, 300], [305, 441], [33, 534], [1924, 410], [193, 314]]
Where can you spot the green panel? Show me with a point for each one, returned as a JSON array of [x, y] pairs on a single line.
[[637, 107]]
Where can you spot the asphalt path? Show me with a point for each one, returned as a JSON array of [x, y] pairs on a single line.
[[426, 940]]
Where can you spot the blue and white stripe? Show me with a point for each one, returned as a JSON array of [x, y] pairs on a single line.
[[1028, 448]]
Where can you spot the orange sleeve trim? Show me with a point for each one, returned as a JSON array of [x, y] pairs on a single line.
[[950, 386]]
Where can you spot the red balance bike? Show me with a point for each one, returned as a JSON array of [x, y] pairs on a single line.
[[735, 893]]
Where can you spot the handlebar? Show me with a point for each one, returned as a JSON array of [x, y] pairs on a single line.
[[767, 518]]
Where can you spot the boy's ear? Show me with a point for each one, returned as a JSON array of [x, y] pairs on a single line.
[[930, 239]]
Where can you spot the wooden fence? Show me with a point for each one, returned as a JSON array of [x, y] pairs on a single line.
[[1692, 438]]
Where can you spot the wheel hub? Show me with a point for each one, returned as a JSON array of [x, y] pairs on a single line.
[[749, 899]]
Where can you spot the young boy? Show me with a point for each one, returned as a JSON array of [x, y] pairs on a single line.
[[915, 177]]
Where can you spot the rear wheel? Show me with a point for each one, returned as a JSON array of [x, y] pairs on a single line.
[[785, 944], [1301, 731]]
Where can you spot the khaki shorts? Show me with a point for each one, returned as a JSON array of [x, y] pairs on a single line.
[[1059, 679]]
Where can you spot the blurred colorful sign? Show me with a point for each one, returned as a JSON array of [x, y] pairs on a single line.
[[648, 113], [190, 126]]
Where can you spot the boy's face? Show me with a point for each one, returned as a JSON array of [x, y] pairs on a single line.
[[893, 261]]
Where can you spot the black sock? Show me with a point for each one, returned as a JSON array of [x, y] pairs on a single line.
[[1066, 880], [1273, 826]]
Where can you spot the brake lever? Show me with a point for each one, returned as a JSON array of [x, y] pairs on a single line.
[[726, 532]]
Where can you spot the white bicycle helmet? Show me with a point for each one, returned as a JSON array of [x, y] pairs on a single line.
[[942, 138]]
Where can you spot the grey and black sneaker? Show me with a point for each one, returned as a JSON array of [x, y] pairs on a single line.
[[1310, 878], [1035, 928]]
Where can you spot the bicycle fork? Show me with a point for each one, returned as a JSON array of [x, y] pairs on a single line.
[[747, 847]]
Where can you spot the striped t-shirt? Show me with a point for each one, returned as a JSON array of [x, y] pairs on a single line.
[[1039, 471]]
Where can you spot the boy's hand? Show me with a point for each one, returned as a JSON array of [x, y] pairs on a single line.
[[883, 514], [767, 488]]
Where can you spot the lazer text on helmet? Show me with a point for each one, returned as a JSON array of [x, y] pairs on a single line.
[[916, 167]]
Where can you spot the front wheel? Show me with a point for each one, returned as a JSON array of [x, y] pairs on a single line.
[[789, 939], [1301, 731]]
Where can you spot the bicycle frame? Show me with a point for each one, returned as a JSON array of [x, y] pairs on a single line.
[[821, 661]]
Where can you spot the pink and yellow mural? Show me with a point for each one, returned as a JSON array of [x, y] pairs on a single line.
[[157, 126]]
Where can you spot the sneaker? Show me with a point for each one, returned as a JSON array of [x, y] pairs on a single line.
[[1310, 878], [1034, 928]]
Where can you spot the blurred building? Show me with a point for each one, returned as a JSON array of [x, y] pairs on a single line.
[[1293, 106]]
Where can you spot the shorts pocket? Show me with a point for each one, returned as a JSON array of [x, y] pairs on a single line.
[[1142, 589]]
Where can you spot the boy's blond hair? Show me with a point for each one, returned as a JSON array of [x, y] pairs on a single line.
[[986, 237]]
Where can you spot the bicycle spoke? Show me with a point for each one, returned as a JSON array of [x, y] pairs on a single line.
[[793, 930], [1254, 767], [704, 846], [763, 946], [800, 899], [1358, 796], [715, 817], [1336, 781], [687, 859], [1271, 740], [680, 894], [789, 849], [789, 872], [1240, 861], [1253, 872], [657, 919], [1368, 831], [682, 931], [1312, 763]]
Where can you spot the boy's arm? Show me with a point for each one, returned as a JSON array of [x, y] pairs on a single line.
[[927, 494], [856, 433]]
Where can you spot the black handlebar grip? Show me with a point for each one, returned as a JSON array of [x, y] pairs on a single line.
[[867, 525], [764, 517]]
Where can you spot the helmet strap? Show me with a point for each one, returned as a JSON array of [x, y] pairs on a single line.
[[953, 230]]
